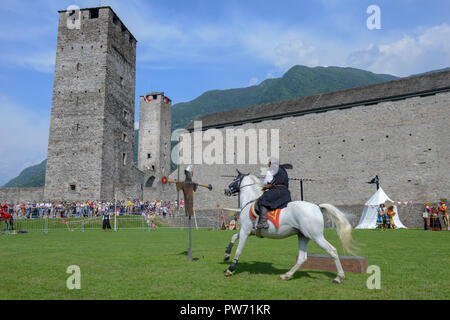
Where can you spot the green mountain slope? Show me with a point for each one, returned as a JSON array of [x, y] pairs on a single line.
[[299, 81], [33, 176]]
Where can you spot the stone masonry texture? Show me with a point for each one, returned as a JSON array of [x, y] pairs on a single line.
[[155, 116], [90, 148]]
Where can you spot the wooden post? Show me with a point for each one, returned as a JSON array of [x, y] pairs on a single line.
[[115, 209], [178, 177], [301, 189], [190, 241], [409, 213]]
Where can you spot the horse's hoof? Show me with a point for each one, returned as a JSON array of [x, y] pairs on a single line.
[[228, 273], [284, 277], [337, 280]]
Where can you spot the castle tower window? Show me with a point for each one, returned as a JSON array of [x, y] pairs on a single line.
[[149, 155], [125, 114], [124, 137], [149, 182], [93, 13], [124, 158], [155, 97], [121, 81], [73, 187]]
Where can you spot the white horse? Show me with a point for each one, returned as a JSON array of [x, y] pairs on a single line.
[[300, 218]]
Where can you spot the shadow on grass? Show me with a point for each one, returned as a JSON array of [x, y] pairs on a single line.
[[185, 253], [267, 268]]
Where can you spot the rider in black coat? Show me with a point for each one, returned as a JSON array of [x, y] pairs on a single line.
[[276, 194]]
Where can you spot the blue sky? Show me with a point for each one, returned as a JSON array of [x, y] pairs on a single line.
[[188, 47]]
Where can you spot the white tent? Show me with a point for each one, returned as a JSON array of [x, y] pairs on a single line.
[[369, 215]]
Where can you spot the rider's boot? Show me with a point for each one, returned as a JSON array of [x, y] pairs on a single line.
[[262, 222]]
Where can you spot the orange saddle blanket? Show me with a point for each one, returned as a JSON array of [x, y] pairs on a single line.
[[273, 216]]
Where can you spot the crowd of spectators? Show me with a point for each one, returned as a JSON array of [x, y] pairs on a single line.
[[69, 209], [432, 214]]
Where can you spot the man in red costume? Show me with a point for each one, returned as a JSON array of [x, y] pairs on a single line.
[[5, 216]]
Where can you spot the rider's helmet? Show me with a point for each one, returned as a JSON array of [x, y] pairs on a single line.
[[274, 164], [189, 171]]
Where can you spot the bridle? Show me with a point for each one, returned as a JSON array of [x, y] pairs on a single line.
[[239, 187], [236, 184], [247, 185]]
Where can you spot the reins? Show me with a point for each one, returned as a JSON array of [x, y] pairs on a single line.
[[248, 185], [248, 203]]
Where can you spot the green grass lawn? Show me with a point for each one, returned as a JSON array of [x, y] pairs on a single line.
[[138, 264]]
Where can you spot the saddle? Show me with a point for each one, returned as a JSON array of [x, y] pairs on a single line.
[[273, 216]]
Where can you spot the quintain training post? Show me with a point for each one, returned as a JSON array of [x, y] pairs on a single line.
[[189, 187]]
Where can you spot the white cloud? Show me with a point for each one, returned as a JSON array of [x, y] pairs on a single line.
[[162, 40], [289, 52], [167, 43], [24, 138], [40, 61], [285, 47], [253, 81], [411, 54]]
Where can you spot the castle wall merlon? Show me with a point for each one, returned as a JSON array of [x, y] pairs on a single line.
[[95, 11]]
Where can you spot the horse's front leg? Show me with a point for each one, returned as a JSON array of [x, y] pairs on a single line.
[[230, 246], [242, 240]]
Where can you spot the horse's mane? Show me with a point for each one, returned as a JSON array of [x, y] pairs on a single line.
[[255, 180]]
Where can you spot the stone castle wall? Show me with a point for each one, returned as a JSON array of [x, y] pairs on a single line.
[[404, 142], [21, 194]]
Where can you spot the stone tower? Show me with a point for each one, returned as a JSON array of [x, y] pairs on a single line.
[[155, 116], [90, 148]]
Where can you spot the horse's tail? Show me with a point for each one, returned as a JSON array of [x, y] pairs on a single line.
[[343, 226]]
